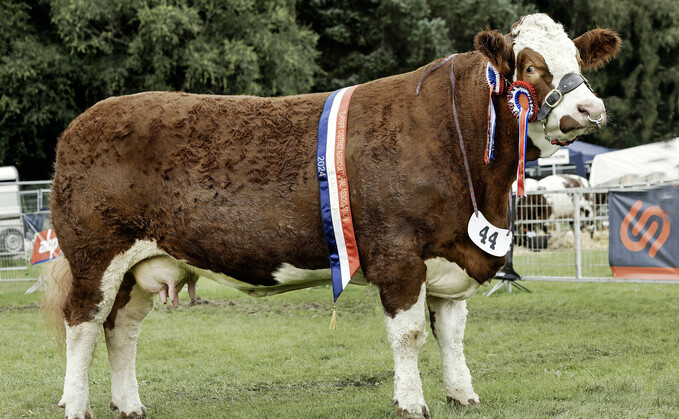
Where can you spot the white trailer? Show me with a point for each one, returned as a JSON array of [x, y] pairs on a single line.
[[11, 222]]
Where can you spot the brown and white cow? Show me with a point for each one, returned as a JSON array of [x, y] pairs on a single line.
[[155, 189], [561, 203]]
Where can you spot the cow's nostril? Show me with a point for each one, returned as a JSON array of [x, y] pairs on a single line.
[[582, 110]]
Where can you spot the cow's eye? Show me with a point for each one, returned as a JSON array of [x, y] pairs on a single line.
[[530, 69]]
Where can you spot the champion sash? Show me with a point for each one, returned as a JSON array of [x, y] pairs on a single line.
[[334, 189]]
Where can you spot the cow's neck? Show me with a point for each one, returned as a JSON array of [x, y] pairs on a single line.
[[492, 182]]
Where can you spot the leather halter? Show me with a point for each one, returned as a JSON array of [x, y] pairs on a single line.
[[568, 83]]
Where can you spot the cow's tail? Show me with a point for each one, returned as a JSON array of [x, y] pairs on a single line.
[[59, 278]]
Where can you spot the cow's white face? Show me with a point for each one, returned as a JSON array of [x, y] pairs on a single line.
[[539, 52], [541, 43]]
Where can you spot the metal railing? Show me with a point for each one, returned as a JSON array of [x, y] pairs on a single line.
[[18, 230], [562, 235]]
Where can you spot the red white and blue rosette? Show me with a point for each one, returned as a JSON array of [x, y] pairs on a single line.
[[524, 105], [494, 79], [496, 84]]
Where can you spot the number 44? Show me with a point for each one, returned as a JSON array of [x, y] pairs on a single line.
[[492, 239]]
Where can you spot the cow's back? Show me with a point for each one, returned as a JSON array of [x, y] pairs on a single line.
[[220, 181]]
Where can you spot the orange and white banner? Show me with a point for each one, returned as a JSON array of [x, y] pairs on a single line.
[[644, 233], [46, 247]]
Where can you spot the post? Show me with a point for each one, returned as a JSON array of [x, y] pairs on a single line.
[[508, 273], [576, 235]]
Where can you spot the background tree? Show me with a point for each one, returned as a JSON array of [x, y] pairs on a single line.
[[363, 40], [61, 56], [36, 89], [58, 57]]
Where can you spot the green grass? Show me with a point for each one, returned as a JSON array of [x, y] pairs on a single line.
[[566, 350], [561, 263]]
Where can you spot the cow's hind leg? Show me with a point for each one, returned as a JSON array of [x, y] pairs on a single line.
[[121, 329], [159, 274], [84, 313], [448, 319], [80, 342], [406, 333]]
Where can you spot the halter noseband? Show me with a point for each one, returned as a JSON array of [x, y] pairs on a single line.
[[568, 83]]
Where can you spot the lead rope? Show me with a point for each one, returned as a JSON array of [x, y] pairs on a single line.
[[431, 70], [459, 136], [451, 58]]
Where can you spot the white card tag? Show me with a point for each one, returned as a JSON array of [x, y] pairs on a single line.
[[493, 240]]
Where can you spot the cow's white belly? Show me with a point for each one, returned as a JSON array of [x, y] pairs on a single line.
[[447, 280], [444, 279]]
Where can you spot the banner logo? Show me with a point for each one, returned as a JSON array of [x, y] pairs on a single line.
[[662, 223]]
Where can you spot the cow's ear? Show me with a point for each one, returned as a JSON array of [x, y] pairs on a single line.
[[597, 47], [497, 49]]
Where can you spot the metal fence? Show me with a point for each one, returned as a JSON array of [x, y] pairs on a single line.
[[18, 228], [562, 235], [559, 235]]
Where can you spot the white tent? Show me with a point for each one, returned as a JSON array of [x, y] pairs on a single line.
[[649, 163]]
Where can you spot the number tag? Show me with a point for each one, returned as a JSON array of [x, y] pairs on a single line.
[[493, 240]]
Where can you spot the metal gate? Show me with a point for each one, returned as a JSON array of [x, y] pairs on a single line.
[[562, 235], [559, 235], [18, 228]]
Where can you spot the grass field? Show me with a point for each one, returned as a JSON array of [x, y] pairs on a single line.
[[566, 350], [561, 263]]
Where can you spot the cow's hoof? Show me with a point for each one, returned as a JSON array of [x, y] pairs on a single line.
[[464, 401], [136, 413], [413, 412], [79, 415], [75, 407], [113, 406]]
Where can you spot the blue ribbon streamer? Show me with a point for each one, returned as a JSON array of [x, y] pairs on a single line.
[[326, 212]]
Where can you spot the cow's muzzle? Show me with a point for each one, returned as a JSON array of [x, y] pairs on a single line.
[[585, 125]]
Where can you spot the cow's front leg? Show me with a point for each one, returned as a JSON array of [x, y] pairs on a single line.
[[406, 333], [121, 330], [448, 319]]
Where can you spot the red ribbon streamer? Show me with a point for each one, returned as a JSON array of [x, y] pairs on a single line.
[[523, 139]]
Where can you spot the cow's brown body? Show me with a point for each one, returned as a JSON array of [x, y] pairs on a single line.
[[154, 189], [229, 183]]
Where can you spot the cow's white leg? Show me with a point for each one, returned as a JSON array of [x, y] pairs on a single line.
[[121, 342], [80, 342], [406, 333], [448, 319]]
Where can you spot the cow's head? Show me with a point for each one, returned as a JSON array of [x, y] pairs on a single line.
[[539, 52]]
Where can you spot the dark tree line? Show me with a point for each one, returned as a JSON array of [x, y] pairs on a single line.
[[59, 57]]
